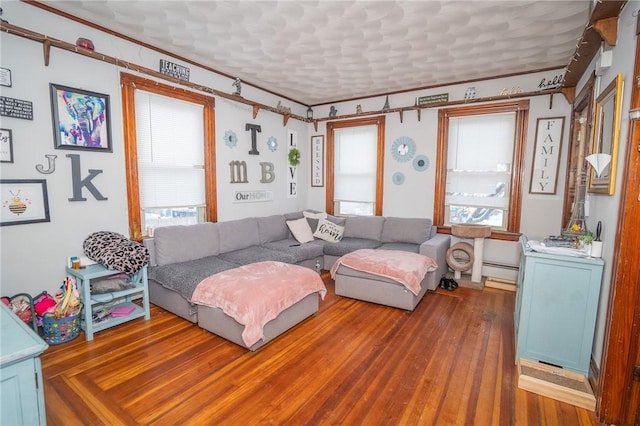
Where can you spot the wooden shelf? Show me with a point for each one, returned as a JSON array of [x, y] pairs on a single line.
[[602, 26]]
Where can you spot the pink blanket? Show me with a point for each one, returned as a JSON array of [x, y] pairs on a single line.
[[255, 294], [404, 267]]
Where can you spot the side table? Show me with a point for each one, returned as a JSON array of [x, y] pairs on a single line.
[[123, 298]]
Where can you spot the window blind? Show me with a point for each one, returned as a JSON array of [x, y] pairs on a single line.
[[170, 135], [355, 162], [480, 152]]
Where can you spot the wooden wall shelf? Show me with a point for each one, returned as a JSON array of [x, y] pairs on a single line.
[[603, 26], [48, 42]]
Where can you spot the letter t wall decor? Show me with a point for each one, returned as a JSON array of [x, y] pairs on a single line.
[[546, 155]]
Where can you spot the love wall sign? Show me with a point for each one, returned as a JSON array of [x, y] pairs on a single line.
[[546, 155]]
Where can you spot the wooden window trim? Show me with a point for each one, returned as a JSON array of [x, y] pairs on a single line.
[[378, 121], [521, 109], [129, 85]]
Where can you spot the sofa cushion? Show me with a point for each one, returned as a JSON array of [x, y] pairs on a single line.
[[406, 230], [300, 230], [238, 234], [272, 228], [367, 227], [180, 243], [347, 245], [254, 254], [329, 231], [183, 277], [414, 248], [300, 252]]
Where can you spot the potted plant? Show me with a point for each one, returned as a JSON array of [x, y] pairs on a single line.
[[586, 239]]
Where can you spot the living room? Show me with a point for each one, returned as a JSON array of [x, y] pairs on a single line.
[[96, 199]]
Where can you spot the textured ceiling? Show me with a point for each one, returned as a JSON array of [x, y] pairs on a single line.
[[323, 51]]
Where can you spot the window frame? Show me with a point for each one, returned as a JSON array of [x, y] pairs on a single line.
[[521, 110], [378, 121], [129, 84]]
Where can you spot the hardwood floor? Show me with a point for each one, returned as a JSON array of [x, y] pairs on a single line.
[[450, 362]]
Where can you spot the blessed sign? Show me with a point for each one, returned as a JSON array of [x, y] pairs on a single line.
[[546, 156], [317, 160]]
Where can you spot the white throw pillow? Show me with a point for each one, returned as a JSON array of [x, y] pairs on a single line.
[[301, 230], [329, 231]]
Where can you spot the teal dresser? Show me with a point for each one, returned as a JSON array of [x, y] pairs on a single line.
[[556, 307], [21, 388]]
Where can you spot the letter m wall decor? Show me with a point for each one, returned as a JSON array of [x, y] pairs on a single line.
[[546, 155]]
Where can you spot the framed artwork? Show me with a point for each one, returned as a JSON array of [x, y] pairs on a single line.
[[5, 77], [606, 132], [546, 155], [317, 160], [23, 201], [6, 146], [81, 119]]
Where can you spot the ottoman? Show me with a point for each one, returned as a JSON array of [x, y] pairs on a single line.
[[382, 277]]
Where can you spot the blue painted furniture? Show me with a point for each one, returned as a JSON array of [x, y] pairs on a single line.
[[21, 388], [112, 299], [556, 307]]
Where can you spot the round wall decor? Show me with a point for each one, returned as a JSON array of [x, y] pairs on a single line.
[[398, 178], [230, 138], [403, 149], [421, 163], [272, 143]]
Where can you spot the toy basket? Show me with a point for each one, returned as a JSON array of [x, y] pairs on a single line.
[[60, 330]]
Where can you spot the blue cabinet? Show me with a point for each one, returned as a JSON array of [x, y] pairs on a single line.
[[21, 389], [556, 307]]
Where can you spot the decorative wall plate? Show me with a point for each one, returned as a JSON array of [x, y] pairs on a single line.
[[403, 149], [272, 143], [230, 138], [398, 178], [421, 163]]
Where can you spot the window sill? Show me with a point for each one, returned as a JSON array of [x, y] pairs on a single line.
[[495, 235]]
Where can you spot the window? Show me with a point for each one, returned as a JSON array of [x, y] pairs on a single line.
[[478, 171], [170, 136], [355, 158], [169, 154]]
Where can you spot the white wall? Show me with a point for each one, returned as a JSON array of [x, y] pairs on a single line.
[[33, 256], [605, 208], [541, 214]]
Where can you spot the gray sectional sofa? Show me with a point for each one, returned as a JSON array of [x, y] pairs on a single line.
[[182, 256]]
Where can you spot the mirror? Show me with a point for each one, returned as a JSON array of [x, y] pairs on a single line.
[[606, 131], [580, 145]]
